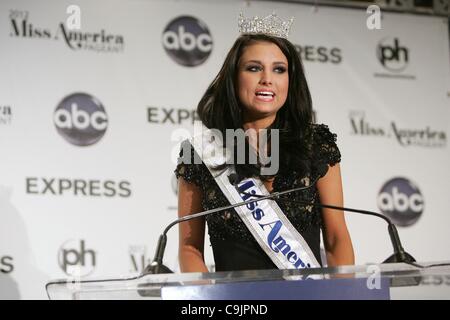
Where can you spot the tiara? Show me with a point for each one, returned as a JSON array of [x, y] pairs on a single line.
[[271, 25]]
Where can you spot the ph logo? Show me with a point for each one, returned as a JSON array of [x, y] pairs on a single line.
[[75, 260], [391, 55], [402, 201], [187, 40], [81, 119]]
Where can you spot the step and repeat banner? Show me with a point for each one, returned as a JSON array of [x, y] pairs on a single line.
[[87, 118]]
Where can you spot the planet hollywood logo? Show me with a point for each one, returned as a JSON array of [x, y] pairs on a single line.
[[5, 114], [98, 41], [187, 41], [81, 119], [75, 259], [361, 125], [401, 201], [393, 57]]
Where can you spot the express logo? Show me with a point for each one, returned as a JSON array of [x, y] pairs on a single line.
[[320, 54], [77, 187], [162, 115], [392, 55], [187, 40], [6, 264], [402, 201], [75, 260], [81, 119]]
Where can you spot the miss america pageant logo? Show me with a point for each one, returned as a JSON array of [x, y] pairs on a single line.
[[428, 137], [99, 41]]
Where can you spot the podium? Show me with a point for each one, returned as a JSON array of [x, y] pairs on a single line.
[[371, 281]]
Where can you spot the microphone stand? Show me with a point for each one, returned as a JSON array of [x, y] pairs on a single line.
[[157, 265], [399, 255]]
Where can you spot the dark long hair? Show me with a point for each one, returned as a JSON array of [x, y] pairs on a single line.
[[219, 107]]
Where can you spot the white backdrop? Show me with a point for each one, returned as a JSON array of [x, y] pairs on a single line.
[[102, 205]]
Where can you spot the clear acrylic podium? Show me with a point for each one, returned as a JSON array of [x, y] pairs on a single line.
[[374, 281]]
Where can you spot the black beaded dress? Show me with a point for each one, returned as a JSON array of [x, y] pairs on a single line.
[[234, 247]]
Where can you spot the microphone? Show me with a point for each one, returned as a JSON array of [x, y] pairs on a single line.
[[157, 266], [399, 255]]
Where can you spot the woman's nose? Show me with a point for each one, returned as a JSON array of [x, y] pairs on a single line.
[[266, 78]]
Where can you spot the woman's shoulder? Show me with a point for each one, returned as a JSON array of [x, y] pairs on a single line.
[[189, 166], [321, 130], [324, 144]]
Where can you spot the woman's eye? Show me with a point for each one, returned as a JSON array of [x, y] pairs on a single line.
[[253, 68], [280, 69]]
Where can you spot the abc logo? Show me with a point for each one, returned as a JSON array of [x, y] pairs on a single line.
[[187, 41], [391, 55], [401, 200], [75, 260], [80, 119]]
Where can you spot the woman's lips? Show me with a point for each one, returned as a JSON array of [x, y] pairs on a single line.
[[265, 95]]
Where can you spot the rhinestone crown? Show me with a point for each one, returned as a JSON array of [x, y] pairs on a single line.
[[271, 25]]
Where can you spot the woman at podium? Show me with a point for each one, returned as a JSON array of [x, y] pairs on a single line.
[[261, 87]]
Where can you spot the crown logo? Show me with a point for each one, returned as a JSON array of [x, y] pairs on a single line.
[[271, 25]]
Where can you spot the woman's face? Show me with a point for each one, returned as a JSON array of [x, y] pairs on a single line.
[[263, 80]]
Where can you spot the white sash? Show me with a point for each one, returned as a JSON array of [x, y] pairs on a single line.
[[264, 219]]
